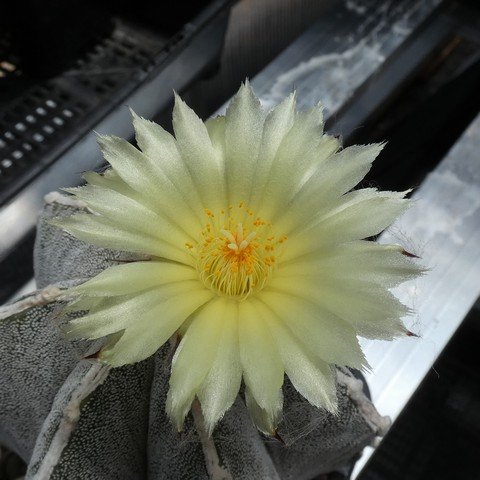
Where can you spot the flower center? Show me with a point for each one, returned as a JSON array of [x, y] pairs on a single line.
[[236, 252]]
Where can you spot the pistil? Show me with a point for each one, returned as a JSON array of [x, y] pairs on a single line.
[[236, 258]]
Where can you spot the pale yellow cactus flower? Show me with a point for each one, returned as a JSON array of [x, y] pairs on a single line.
[[256, 256]]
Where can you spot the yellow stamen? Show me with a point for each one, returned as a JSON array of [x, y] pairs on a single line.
[[237, 259]]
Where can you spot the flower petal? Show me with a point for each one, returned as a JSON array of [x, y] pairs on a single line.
[[134, 277], [265, 421], [87, 304], [113, 206], [194, 358], [118, 313], [373, 311], [303, 283], [332, 178], [155, 188], [222, 383], [129, 163], [284, 195], [312, 378], [161, 148], [153, 329], [243, 131], [325, 335], [359, 214], [105, 233], [110, 180], [299, 152], [262, 366], [277, 124], [216, 131], [201, 159], [360, 260]]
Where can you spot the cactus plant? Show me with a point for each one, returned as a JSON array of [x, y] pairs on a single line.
[[87, 390]]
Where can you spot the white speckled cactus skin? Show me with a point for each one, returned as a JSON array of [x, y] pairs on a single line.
[[71, 418]]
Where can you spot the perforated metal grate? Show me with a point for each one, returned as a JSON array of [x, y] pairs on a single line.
[[38, 119]]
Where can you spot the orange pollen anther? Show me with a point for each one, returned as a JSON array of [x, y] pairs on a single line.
[[235, 252]]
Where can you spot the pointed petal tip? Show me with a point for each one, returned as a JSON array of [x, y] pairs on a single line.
[[135, 117], [210, 425], [211, 418], [72, 334], [332, 407], [93, 356], [107, 357], [177, 411], [104, 141], [101, 137], [246, 90], [178, 101], [377, 149], [320, 107], [65, 223], [177, 420], [277, 436], [55, 222], [71, 190], [408, 333], [290, 101], [406, 253], [330, 402], [182, 113]]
